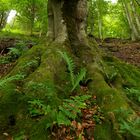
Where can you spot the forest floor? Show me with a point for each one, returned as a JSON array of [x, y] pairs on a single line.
[[125, 50], [7, 43]]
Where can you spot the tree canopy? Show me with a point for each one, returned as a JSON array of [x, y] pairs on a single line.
[[105, 18]]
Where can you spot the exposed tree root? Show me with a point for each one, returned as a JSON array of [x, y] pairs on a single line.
[[43, 63]]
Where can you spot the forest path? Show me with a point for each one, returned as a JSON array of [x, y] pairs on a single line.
[[125, 50]]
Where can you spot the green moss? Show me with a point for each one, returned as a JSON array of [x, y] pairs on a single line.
[[28, 62], [45, 69], [105, 132]]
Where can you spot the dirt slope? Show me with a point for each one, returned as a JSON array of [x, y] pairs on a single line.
[[126, 50]]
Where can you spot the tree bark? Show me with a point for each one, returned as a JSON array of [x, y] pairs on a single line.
[[67, 20], [130, 17], [3, 19], [135, 15]]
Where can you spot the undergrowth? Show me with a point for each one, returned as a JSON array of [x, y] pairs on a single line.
[[128, 126], [64, 114], [75, 78], [133, 94]]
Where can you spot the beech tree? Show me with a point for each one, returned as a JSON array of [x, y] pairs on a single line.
[[4, 12], [132, 15], [106, 78]]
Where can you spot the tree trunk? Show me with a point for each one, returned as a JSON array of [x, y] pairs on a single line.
[[106, 76], [130, 17], [99, 21], [135, 15], [3, 19], [67, 20]]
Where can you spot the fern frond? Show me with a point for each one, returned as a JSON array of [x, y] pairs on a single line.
[[62, 119], [68, 113], [15, 77], [70, 64], [74, 79], [79, 77], [81, 98]]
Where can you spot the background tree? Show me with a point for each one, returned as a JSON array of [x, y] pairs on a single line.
[[132, 17], [97, 11], [4, 12], [31, 13]]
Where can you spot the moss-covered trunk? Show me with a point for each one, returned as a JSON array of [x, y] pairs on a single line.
[[106, 78]]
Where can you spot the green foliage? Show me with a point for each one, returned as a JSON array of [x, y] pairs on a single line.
[[128, 125], [75, 78], [133, 94], [45, 91], [37, 108], [70, 109], [4, 81], [4, 60], [14, 53], [4, 11], [107, 19], [65, 113], [20, 136], [17, 50], [110, 73], [32, 15], [30, 63]]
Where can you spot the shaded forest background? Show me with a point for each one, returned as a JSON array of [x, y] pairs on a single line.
[[118, 19]]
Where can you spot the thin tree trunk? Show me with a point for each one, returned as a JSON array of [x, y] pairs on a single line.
[[99, 22], [134, 32], [32, 17], [136, 16], [137, 2], [1, 20]]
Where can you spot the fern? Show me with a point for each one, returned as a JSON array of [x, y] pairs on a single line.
[[14, 51], [70, 64], [79, 77], [62, 119], [134, 94], [66, 112], [71, 108], [130, 127], [9, 79], [127, 125], [75, 79]]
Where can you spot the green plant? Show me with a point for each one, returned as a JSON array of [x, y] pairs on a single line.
[[128, 125], [64, 114], [4, 59], [4, 81], [70, 109], [31, 63], [134, 94], [75, 78], [110, 73], [16, 51], [37, 108]]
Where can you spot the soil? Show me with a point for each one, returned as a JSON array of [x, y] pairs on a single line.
[[125, 50]]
